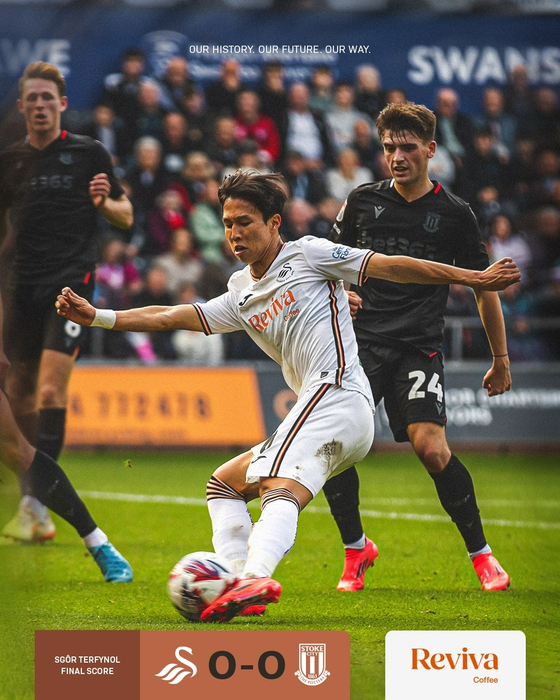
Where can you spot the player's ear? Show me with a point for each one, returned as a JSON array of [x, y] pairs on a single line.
[[63, 103], [20, 105], [431, 149], [275, 221]]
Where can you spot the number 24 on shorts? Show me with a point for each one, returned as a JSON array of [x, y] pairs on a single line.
[[434, 385]]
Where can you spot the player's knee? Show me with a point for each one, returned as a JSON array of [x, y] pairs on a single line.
[[431, 455], [50, 395]]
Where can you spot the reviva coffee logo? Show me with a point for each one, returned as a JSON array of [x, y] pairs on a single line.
[[277, 307], [464, 660]]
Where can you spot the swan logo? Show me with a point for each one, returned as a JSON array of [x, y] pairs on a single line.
[[175, 673]]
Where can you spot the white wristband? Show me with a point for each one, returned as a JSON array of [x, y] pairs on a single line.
[[104, 318]]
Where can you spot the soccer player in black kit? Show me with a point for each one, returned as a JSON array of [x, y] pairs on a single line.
[[400, 331], [53, 186]]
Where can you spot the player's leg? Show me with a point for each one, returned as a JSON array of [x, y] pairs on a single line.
[[53, 379], [419, 394], [342, 495], [53, 488]]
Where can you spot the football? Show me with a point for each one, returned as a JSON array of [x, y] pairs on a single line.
[[196, 581]]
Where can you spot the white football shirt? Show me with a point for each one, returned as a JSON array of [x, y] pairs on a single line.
[[298, 313]]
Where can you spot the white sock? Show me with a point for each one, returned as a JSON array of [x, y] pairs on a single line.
[[95, 538], [485, 550], [231, 527], [358, 544], [35, 506], [273, 536]]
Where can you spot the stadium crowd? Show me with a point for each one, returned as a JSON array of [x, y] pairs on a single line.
[[172, 141]]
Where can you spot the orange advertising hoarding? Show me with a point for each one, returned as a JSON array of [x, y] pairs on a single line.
[[164, 406]]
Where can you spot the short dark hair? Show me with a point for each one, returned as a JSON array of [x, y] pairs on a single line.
[[45, 71], [397, 118], [262, 190]]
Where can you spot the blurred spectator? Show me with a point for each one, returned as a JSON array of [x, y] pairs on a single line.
[[343, 116], [192, 347], [297, 218], [146, 177], [197, 169], [370, 98], [523, 343], [545, 185], [482, 170], [547, 306], [518, 93], [381, 169], [155, 293], [196, 115], [206, 223], [176, 84], [175, 142], [545, 241], [502, 124], [454, 129], [120, 90], [109, 130], [366, 144], [272, 94], [302, 182], [222, 149], [149, 120], [348, 175], [521, 171], [544, 121], [248, 158], [321, 96], [251, 124], [395, 95], [461, 302], [327, 209], [307, 132], [166, 217], [182, 263], [506, 242], [221, 95], [116, 281]]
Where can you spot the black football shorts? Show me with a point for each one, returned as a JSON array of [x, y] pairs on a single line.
[[32, 324], [410, 382]]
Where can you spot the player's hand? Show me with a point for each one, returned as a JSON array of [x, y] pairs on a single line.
[[498, 378], [75, 308], [500, 275], [99, 189], [355, 302]]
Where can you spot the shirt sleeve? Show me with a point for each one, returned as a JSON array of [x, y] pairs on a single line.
[[219, 315], [344, 228], [103, 164], [335, 261], [471, 253]]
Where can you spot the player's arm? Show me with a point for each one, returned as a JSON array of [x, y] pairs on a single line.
[[498, 378], [404, 269], [118, 212], [147, 318]]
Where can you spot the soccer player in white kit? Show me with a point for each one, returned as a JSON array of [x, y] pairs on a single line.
[[291, 300]]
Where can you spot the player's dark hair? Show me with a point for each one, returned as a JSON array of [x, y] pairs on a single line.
[[397, 118], [264, 191], [45, 71]]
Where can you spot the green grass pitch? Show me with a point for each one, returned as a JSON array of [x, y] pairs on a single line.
[[423, 579]]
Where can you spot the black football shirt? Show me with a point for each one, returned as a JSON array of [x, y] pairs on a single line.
[[438, 226], [54, 219]]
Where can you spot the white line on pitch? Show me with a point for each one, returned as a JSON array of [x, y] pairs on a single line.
[[490, 502], [182, 500]]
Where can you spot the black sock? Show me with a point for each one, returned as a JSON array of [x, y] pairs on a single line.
[[50, 431], [456, 494], [342, 494], [53, 488]]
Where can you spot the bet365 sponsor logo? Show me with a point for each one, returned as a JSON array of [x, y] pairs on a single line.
[[437, 665]]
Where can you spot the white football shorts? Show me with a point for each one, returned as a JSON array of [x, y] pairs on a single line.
[[327, 430]]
